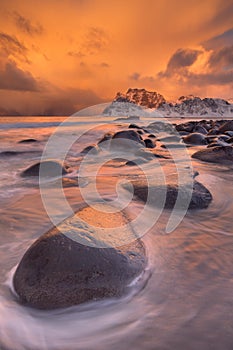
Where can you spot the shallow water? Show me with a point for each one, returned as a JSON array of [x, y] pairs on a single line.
[[185, 300]]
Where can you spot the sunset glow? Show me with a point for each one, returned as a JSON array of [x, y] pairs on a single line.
[[59, 56]]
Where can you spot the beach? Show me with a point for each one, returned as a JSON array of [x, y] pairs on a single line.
[[185, 298]]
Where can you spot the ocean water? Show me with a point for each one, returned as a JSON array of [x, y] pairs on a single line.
[[186, 301]]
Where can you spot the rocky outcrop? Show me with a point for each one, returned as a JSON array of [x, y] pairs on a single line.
[[141, 97]]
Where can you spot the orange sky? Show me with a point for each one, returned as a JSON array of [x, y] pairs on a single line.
[[57, 56]]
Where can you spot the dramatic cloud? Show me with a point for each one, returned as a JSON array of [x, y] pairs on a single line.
[[222, 59], [183, 69], [14, 78], [52, 102], [10, 45], [181, 59], [26, 26], [107, 46], [219, 41]]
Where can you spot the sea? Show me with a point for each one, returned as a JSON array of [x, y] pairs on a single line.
[[186, 301]]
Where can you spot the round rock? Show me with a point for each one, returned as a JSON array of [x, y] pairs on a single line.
[[58, 271], [49, 168], [195, 139]]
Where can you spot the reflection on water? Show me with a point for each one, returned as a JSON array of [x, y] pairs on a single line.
[[186, 303]]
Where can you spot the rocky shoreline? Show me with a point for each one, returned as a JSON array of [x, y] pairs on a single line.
[[57, 271]]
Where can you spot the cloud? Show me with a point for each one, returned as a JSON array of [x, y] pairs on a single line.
[[194, 69], [222, 59], [10, 45], [69, 101], [54, 101], [219, 41], [180, 60], [135, 76], [26, 26], [14, 78]]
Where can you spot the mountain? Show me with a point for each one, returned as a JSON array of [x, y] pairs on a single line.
[[140, 102], [141, 97], [192, 105]]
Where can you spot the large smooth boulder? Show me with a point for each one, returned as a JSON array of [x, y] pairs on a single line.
[[58, 271], [199, 195], [49, 168], [195, 139], [220, 154]]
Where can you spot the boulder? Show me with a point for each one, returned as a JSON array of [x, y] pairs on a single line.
[[134, 126], [195, 139], [126, 140], [57, 271], [200, 129], [49, 168], [187, 127], [200, 195], [91, 148], [149, 143], [220, 154], [213, 131], [227, 126]]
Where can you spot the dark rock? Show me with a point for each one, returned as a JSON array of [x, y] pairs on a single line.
[[228, 126], [230, 140], [200, 195], [104, 142], [126, 139], [149, 143], [187, 127], [92, 148], [49, 168], [134, 126], [213, 131], [183, 133], [200, 129], [15, 153], [229, 133], [195, 139], [220, 154], [211, 138], [28, 141], [57, 271], [217, 143], [223, 138], [140, 132], [152, 136], [135, 162]]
